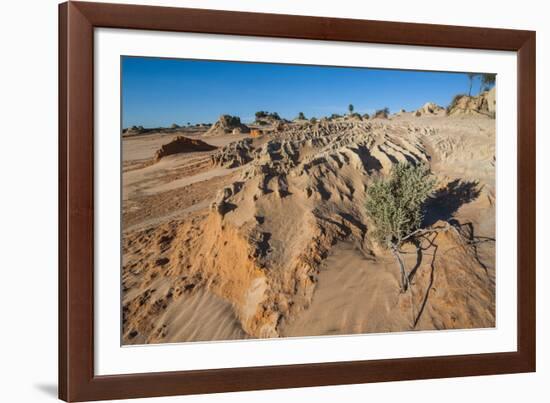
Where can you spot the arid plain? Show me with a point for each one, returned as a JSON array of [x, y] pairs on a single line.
[[235, 231]]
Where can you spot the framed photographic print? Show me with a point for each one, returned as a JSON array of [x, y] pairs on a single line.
[[254, 201]]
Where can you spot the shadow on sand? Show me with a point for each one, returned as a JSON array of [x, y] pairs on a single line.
[[446, 201], [442, 206]]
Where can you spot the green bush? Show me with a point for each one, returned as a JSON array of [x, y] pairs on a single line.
[[265, 114], [395, 205], [261, 114], [229, 120]]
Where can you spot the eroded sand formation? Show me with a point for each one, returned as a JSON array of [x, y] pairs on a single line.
[[430, 108], [182, 144], [482, 104], [227, 124], [268, 236]]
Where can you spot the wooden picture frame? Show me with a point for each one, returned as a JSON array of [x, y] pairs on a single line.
[[77, 21]]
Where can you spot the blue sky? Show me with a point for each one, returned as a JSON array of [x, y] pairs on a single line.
[[159, 92]]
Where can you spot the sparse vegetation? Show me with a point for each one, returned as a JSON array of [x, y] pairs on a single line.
[[350, 108], [334, 116], [471, 77], [260, 114], [174, 126], [366, 116], [454, 101], [301, 116], [487, 81], [313, 120], [267, 115], [137, 128], [229, 120], [395, 205], [382, 113]]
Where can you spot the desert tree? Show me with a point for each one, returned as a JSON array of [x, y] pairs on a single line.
[[260, 114], [313, 120], [395, 205], [301, 116], [471, 78], [350, 108], [382, 113], [487, 81]]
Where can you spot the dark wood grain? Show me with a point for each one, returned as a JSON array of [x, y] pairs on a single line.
[[63, 320], [527, 199], [77, 214], [77, 21], [299, 27]]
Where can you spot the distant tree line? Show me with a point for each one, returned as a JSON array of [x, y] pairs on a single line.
[[266, 115], [262, 116]]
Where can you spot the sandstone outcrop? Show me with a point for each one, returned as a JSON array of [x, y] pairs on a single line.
[[182, 144], [227, 124], [482, 104]]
